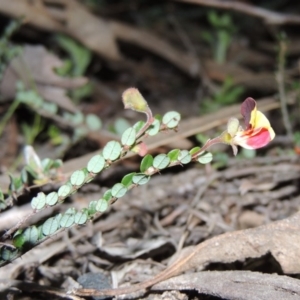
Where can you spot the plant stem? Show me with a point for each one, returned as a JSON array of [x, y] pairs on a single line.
[[281, 87], [8, 115]]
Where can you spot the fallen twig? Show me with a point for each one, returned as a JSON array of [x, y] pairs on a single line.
[[268, 16]]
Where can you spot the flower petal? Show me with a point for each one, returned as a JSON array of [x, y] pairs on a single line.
[[248, 111], [260, 121], [254, 139]]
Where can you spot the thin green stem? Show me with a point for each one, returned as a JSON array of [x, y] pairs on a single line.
[[280, 76], [8, 115]]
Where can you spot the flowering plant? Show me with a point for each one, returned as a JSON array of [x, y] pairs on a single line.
[[257, 133]]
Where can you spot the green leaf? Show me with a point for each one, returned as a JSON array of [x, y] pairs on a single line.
[[64, 191], [205, 158], [173, 154], [127, 179], [71, 211], [80, 217], [46, 164], [184, 156], [194, 150], [67, 220], [50, 226], [140, 179], [112, 150], [52, 198], [30, 98], [24, 176], [96, 164], [57, 163], [248, 153], [31, 235], [154, 128], [107, 195], [77, 178], [171, 119], [120, 125], [39, 201], [80, 55], [58, 217], [138, 125], [8, 253], [93, 122], [146, 163], [128, 137], [50, 107], [1, 195], [19, 240], [161, 161], [92, 207], [101, 205], [118, 190]]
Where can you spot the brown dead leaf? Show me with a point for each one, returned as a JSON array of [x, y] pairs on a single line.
[[239, 285], [99, 35], [135, 248], [35, 68], [281, 239]]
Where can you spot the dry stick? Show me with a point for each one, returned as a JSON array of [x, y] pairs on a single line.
[[7, 284], [268, 16], [282, 94]]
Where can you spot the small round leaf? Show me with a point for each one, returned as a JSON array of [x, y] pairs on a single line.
[[39, 201], [64, 190], [120, 125], [92, 207], [184, 157], [50, 226], [173, 154], [50, 107], [154, 128], [205, 158], [52, 198], [101, 205], [19, 240], [161, 161], [31, 235], [127, 179], [128, 137], [8, 253], [146, 163], [80, 217], [194, 150], [171, 119], [140, 179], [77, 178], [93, 122], [112, 150], [107, 195], [138, 125], [67, 220], [118, 190], [96, 164]]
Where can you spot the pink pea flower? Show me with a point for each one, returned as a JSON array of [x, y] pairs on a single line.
[[257, 133]]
